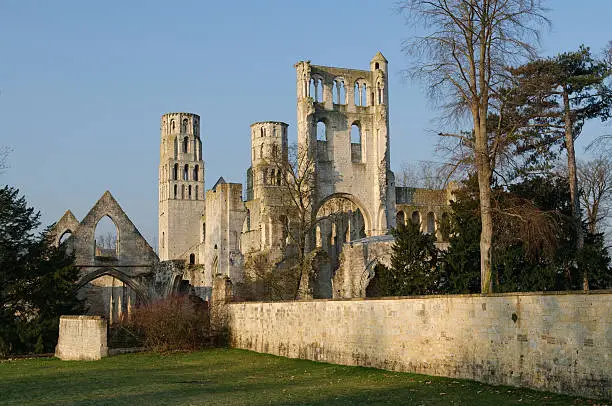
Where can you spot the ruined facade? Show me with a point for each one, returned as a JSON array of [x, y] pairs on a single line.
[[342, 129]]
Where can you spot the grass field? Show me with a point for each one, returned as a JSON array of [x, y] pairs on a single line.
[[235, 377]]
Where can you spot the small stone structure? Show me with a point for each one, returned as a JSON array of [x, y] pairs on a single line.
[[81, 338], [559, 342]]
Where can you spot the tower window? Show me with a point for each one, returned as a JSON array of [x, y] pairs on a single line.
[[172, 125], [189, 191], [248, 220], [175, 190], [186, 172], [175, 174], [376, 65], [185, 124], [265, 176], [278, 178], [185, 144], [182, 191], [163, 239], [321, 131], [191, 259], [196, 171], [196, 192]]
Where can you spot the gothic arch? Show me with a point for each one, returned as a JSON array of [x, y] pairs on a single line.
[[141, 292], [353, 199]]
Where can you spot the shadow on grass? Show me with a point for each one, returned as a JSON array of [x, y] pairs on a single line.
[[235, 377]]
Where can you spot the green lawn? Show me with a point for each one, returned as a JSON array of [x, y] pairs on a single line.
[[235, 377]]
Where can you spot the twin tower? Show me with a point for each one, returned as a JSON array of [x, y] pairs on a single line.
[[342, 126]]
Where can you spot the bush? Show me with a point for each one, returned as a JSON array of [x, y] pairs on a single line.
[[177, 323]]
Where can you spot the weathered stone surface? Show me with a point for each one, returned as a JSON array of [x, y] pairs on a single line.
[[559, 342], [81, 338]]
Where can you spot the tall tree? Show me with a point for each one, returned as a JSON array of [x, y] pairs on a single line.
[[561, 94], [463, 56], [36, 280], [595, 181]]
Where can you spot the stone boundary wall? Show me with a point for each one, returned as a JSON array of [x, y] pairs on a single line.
[[81, 338], [559, 342]]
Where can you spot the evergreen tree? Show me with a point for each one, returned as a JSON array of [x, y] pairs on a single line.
[[36, 280], [414, 265]]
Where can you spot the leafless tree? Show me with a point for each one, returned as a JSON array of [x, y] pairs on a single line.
[[595, 178], [424, 174], [463, 56], [4, 152]]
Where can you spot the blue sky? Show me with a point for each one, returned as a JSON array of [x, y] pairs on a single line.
[[83, 85]]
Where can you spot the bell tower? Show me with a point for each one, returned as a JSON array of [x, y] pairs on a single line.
[[181, 187]]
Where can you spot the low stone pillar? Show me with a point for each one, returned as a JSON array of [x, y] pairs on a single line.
[[81, 338]]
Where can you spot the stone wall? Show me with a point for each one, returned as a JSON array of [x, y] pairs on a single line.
[[81, 338], [559, 342]]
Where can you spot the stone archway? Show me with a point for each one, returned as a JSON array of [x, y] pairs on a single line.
[[110, 292], [339, 219]]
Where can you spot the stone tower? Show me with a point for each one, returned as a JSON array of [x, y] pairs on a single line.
[[268, 146], [343, 123], [181, 187]]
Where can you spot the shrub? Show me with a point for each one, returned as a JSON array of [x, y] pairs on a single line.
[[177, 323]]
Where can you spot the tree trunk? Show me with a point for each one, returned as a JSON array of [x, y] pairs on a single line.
[[573, 179], [483, 167]]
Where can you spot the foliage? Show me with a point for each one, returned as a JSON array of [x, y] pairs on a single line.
[[36, 280], [414, 265], [534, 242], [237, 377], [171, 324]]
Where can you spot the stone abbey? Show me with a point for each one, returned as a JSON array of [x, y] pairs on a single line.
[[351, 199]]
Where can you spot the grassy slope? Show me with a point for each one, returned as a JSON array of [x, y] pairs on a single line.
[[235, 377]]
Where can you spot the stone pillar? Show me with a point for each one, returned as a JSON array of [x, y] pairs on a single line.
[[82, 338]]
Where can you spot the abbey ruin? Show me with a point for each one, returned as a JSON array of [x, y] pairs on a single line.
[[347, 202]]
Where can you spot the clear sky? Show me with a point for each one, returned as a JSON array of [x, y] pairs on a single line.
[[83, 85]]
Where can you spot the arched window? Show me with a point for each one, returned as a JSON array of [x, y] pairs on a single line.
[[196, 172], [376, 65], [203, 232], [272, 176], [186, 172], [261, 150], [185, 124], [265, 176], [355, 134], [341, 93], [192, 259], [357, 94], [196, 192], [175, 173], [356, 143], [189, 191], [248, 220], [175, 147], [318, 236], [278, 178], [401, 218], [316, 89], [321, 131], [274, 150], [416, 217], [106, 238], [64, 236], [379, 90], [185, 144], [163, 240], [183, 192], [431, 223], [175, 191], [172, 125], [364, 94]]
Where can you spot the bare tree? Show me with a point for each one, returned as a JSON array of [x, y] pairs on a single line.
[[595, 178], [463, 57], [4, 152], [424, 174]]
